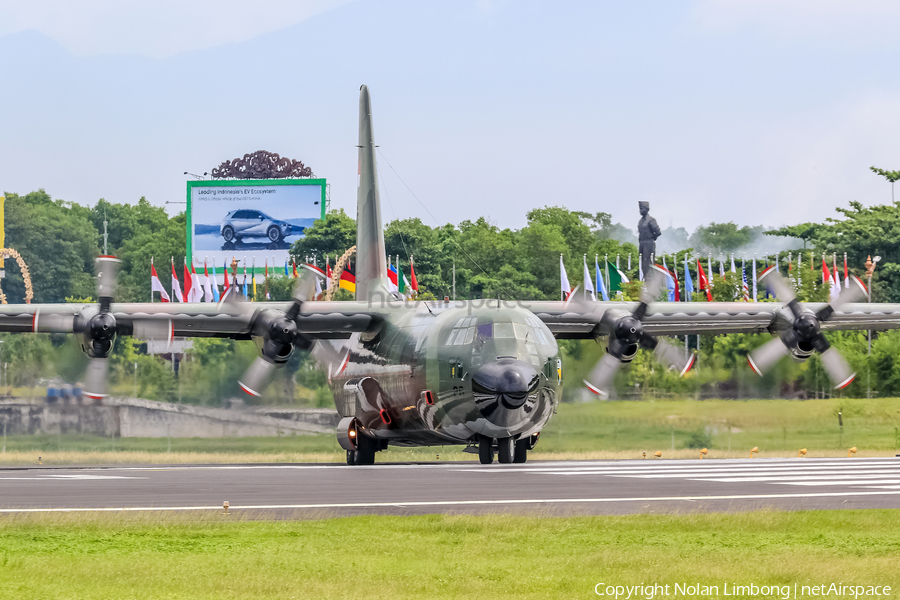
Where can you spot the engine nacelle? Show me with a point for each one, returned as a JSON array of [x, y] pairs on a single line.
[[348, 433], [802, 351], [628, 354]]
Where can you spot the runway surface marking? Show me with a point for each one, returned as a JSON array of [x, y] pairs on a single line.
[[455, 503], [76, 477], [865, 473]]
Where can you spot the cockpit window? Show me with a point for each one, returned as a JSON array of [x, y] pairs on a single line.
[[486, 331]]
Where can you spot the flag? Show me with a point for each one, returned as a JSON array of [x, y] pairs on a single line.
[[671, 283], [688, 281], [266, 278], [207, 286], [188, 283], [215, 284], [176, 287], [745, 291], [286, 272], [402, 283], [392, 279], [721, 267], [754, 278], [616, 278], [588, 284], [227, 285], [835, 278], [245, 280], [826, 276], [732, 264], [196, 286], [640, 268], [156, 285], [846, 272], [348, 279], [253, 277], [412, 275], [703, 282], [327, 273], [766, 269], [566, 289], [601, 285]]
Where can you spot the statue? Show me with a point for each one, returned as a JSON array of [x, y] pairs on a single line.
[[648, 231]]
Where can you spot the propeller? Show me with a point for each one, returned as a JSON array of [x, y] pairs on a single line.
[[99, 329], [279, 334], [805, 334], [627, 335]]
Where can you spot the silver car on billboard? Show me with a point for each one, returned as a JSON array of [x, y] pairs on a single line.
[[243, 223]]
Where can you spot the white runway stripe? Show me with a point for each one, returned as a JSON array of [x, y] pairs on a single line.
[[512, 502], [818, 477]]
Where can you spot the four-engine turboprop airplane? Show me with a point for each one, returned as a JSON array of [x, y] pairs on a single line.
[[478, 372]]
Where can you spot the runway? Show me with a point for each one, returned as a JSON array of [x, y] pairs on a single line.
[[570, 487]]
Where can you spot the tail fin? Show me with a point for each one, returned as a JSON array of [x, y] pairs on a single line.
[[371, 259]]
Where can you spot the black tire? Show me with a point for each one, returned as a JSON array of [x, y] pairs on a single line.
[[485, 450], [228, 233], [365, 450], [351, 457], [274, 234], [506, 450], [521, 454]]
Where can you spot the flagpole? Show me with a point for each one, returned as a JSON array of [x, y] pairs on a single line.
[[606, 261], [151, 279]]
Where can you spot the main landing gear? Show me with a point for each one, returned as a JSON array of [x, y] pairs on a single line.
[[364, 454], [509, 450]]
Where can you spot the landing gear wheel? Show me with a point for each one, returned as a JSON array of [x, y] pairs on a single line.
[[274, 234], [485, 450], [228, 233], [365, 450], [521, 454], [351, 457], [506, 450]]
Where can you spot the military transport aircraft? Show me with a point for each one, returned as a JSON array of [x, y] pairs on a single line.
[[485, 373]]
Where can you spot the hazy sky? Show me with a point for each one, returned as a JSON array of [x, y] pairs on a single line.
[[757, 111]]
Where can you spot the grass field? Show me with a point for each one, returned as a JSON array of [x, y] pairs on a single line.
[[678, 428], [502, 556]]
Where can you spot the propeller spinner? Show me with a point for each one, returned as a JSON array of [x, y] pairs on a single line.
[[805, 334], [279, 334], [627, 335]]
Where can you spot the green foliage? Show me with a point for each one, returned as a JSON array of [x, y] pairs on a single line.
[[891, 176], [58, 244], [329, 237]]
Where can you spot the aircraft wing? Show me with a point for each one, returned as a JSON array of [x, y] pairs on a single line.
[[580, 320], [316, 320]]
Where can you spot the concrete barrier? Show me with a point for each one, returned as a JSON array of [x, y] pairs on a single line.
[[133, 417]]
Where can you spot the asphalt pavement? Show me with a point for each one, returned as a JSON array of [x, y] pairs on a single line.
[[558, 488]]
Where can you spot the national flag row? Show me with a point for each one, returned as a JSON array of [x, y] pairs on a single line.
[[204, 287], [615, 277]]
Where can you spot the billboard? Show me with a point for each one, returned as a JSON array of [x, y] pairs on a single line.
[[250, 220]]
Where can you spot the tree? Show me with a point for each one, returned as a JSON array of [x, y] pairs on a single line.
[[891, 176], [58, 243], [331, 236]]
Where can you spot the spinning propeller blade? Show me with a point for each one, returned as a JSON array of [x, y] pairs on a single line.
[[280, 336], [805, 333], [626, 334]]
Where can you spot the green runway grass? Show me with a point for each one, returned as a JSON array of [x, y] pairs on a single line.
[[153, 556], [728, 428]]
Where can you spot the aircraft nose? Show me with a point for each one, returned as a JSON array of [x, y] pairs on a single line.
[[510, 380]]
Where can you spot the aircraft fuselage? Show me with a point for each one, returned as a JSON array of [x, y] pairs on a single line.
[[451, 373]]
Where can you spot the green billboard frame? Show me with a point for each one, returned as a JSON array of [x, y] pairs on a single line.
[[244, 183]]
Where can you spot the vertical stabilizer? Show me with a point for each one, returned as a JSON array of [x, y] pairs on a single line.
[[371, 259]]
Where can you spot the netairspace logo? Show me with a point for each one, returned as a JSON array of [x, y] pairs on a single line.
[[698, 590]]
